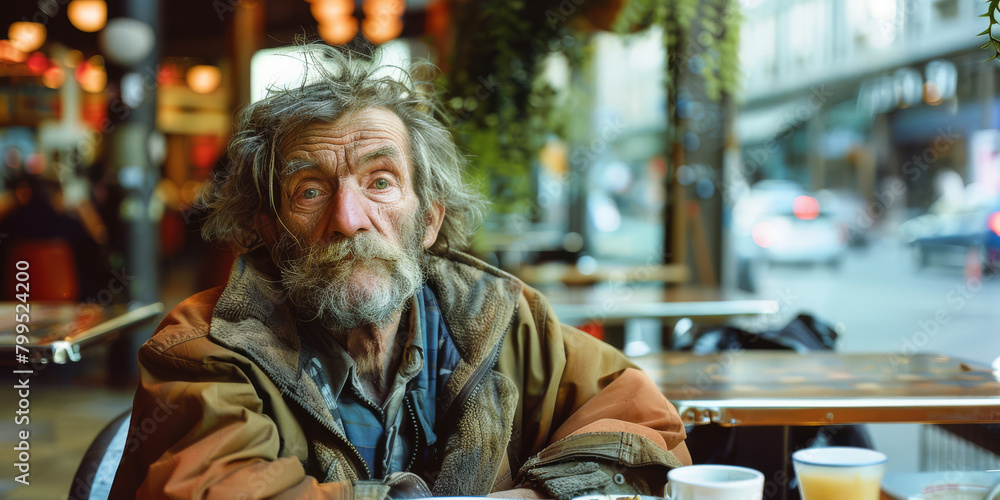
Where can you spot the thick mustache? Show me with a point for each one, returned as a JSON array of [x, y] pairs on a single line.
[[361, 248]]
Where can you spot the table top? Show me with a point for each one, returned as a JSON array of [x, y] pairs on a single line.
[[58, 330], [617, 302], [821, 388], [551, 273], [722, 309]]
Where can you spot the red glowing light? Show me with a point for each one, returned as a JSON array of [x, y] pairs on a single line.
[[805, 207], [38, 63], [995, 223], [81, 70]]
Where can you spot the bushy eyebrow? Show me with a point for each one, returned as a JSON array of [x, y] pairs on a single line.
[[386, 151], [295, 164]]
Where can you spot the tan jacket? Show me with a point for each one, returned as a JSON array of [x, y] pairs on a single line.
[[224, 408]]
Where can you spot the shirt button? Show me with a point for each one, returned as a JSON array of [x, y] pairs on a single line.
[[411, 362]]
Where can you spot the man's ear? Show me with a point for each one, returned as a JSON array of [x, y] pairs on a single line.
[[433, 219], [265, 228]]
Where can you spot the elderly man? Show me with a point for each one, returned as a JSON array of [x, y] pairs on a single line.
[[355, 351]]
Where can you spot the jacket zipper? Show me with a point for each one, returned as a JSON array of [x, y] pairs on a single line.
[[471, 388], [319, 418], [326, 425], [419, 438], [461, 402]]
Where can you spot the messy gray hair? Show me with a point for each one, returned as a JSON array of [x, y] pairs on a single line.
[[339, 82]]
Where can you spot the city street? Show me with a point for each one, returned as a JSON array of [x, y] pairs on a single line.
[[887, 304]]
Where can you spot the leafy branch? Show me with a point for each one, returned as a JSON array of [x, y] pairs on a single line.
[[501, 110], [994, 42]]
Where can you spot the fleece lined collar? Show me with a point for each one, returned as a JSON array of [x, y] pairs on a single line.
[[253, 317]]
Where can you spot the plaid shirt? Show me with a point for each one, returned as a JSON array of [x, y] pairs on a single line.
[[386, 436]]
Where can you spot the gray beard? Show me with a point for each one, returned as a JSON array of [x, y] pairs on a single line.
[[353, 282]]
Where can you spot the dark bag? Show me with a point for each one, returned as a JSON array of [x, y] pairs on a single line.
[[760, 447], [803, 334]]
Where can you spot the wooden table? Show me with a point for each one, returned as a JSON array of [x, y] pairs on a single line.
[[747, 388], [569, 274], [60, 331], [615, 303], [822, 388]]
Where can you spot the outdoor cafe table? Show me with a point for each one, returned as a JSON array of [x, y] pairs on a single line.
[[784, 388], [746, 387], [59, 331], [615, 304]]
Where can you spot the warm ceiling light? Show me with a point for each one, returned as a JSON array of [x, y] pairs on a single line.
[[339, 32], [25, 36], [384, 7], [382, 20], [381, 29], [204, 79], [87, 15], [329, 11]]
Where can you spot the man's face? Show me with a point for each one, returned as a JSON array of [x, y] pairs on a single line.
[[353, 236]]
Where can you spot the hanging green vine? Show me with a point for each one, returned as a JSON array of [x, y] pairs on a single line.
[[729, 49], [701, 31], [993, 42], [501, 112], [714, 38]]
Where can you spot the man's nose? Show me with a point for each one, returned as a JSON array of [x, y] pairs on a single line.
[[348, 215]]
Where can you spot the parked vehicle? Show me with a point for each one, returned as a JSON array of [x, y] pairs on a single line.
[[778, 221], [950, 237]]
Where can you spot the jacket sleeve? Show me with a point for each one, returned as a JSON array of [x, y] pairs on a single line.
[[586, 412], [198, 431]]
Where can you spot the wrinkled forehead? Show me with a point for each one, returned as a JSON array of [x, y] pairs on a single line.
[[354, 136]]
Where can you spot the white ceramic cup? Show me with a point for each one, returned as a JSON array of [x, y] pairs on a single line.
[[839, 472], [714, 482]]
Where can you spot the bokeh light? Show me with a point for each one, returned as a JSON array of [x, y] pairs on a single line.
[[204, 79], [10, 53], [805, 207], [339, 32], [26, 36], [54, 77], [87, 15], [328, 11]]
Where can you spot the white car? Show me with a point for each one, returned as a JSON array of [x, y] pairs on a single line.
[[778, 221]]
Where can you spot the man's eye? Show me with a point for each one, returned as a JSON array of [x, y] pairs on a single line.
[[381, 184], [310, 193]]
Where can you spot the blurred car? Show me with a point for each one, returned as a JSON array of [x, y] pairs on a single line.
[[936, 236], [778, 221]]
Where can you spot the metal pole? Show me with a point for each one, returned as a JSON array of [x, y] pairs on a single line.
[[134, 113]]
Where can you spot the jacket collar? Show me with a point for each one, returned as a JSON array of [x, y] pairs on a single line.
[[478, 303], [253, 318]]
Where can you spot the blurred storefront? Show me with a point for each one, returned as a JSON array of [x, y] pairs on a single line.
[[851, 98], [125, 108]]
